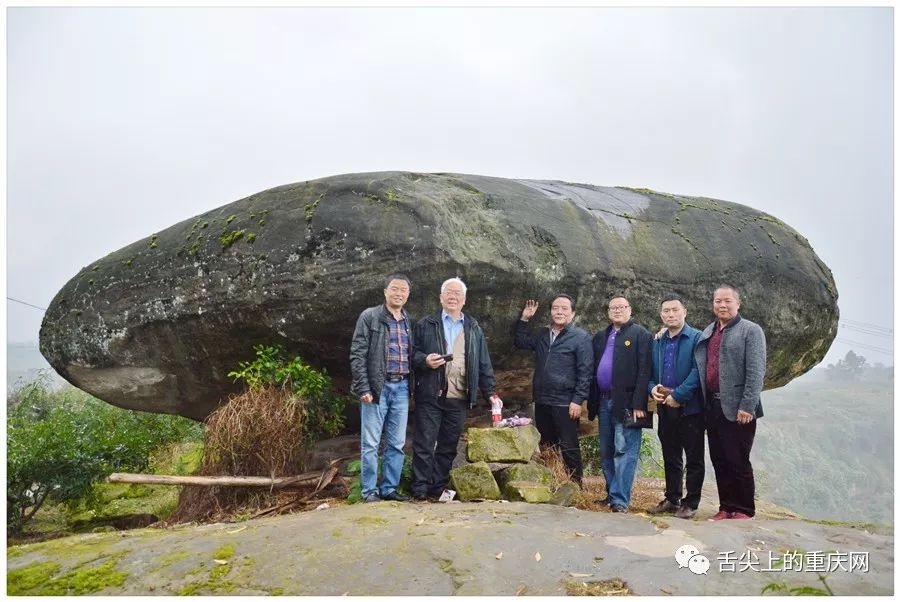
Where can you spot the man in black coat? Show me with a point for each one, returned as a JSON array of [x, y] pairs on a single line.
[[622, 366], [380, 359], [446, 388], [562, 376]]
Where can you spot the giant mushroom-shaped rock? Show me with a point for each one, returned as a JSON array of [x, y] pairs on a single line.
[[157, 325]]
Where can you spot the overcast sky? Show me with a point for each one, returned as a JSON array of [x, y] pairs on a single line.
[[122, 122]]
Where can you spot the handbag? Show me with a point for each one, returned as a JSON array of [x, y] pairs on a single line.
[[638, 423]]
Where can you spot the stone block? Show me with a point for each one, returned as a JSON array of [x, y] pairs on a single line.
[[514, 444]]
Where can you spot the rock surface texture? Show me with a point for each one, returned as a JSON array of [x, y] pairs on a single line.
[[157, 325], [486, 549]]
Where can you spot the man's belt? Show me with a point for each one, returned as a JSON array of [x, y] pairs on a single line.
[[395, 378]]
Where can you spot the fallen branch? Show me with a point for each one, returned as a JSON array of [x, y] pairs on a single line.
[[218, 481], [327, 476], [299, 481]]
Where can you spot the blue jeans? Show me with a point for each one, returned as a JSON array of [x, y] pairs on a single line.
[[387, 419], [620, 447]]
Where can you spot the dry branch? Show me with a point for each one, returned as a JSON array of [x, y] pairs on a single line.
[[219, 481]]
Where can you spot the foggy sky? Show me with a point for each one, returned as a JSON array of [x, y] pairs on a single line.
[[122, 122]]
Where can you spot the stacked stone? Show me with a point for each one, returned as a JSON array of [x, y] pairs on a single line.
[[500, 466]]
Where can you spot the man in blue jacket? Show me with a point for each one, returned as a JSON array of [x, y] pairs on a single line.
[[563, 359], [675, 386]]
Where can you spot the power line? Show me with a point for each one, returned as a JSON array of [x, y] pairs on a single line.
[[867, 347], [28, 304], [868, 325], [867, 331]]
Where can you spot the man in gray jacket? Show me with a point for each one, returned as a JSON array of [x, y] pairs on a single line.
[[380, 359], [731, 359]]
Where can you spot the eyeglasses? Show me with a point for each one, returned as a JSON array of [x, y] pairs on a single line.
[[618, 307]]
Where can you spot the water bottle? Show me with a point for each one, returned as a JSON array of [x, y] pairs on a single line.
[[496, 410]]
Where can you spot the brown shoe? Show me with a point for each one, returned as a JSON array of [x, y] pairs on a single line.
[[685, 512], [663, 506]]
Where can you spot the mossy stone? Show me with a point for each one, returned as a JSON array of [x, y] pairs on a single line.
[[474, 482], [566, 494], [516, 444], [524, 491], [532, 472]]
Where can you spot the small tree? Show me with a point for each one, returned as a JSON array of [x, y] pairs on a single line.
[[850, 368], [59, 443]]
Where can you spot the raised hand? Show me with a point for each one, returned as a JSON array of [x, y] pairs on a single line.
[[530, 308]]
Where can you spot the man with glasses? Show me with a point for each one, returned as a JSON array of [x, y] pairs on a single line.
[[562, 376], [731, 360], [618, 395], [380, 360], [452, 363]]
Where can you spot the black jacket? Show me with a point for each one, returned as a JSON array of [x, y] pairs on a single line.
[[432, 383], [562, 371], [632, 365], [369, 350]]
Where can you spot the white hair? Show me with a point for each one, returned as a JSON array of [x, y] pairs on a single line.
[[453, 281]]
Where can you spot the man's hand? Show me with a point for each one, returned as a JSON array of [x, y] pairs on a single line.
[[434, 360], [656, 395], [639, 413], [670, 401], [574, 411], [530, 308], [744, 417], [366, 398]]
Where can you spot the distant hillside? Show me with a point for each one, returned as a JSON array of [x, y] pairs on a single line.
[[826, 449]]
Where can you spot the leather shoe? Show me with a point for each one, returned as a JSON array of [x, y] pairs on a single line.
[[618, 508], [685, 512], [664, 506], [394, 496], [372, 497]]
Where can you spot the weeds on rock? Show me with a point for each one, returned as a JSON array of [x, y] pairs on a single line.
[[264, 431]]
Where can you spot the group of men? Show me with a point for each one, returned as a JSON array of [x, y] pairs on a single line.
[[698, 382]]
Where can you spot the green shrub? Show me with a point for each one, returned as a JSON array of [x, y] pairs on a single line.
[[324, 411], [59, 443]]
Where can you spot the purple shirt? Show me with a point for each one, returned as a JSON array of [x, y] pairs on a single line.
[[669, 374], [605, 367]]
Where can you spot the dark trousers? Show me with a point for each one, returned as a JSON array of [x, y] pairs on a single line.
[[438, 427], [556, 428], [682, 435], [729, 450]]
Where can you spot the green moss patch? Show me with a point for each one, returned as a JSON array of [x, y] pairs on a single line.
[[19, 581], [35, 580], [370, 520], [225, 552]]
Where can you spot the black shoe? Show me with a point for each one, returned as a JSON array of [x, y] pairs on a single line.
[[603, 502], [372, 497], [618, 508], [420, 497], [663, 506], [395, 497]]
